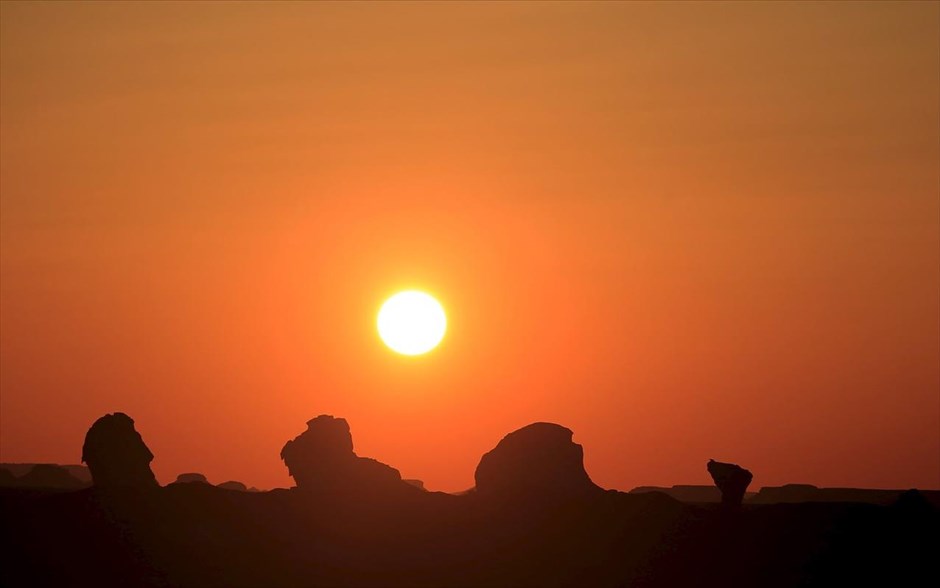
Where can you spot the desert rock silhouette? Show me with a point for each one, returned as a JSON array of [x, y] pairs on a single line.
[[233, 485], [322, 460], [117, 455], [535, 518], [731, 479], [191, 478], [538, 460], [47, 475], [42, 475]]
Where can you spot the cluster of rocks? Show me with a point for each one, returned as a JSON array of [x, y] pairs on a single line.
[[196, 478], [118, 458], [540, 460]]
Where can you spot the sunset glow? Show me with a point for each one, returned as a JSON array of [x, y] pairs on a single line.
[[708, 228]]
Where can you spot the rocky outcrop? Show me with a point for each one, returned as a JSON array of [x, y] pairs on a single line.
[[684, 492], [415, 483], [233, 485], [191, 478], [117, 455], [539, 460], [731, 479], [786, 493], [47, 475], [321, 459], [798, 493], [79, 472]]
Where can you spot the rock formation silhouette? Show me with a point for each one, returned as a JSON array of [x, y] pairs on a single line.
[[117, 455], [787, 493], [47, 475], [321, 459], [79, 472], [191, 478], [234, 485], [684, 492], [798, 493], [534, 519], [415, 483], [731, 479], [538, 460]]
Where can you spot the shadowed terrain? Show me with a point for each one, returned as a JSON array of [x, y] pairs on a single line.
[[535, 518]]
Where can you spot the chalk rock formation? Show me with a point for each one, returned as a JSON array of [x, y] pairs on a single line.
[[787, 493], [539, 460], [321, 459], [416, 483], [117, 455], [731, 479], [48, 475], [233, 485], [684, 492], [191, 478]]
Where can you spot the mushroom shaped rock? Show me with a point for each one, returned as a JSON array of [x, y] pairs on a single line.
[[191, 478], [116, 454], [731, 479], [233, 485], [537, 461], [322, 459]]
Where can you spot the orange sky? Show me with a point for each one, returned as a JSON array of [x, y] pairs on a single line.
[[685, 231]]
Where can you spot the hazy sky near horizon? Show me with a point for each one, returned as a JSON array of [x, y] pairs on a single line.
[[685, 231]]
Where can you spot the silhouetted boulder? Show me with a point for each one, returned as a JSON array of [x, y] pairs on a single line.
[[731, 479], [321, 459], [537, 460], [191, 478], [117, 455], [233, 485]]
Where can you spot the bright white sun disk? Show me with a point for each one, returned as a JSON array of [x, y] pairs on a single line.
[[412, 322]]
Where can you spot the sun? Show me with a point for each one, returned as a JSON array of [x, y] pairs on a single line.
[[412, 322]]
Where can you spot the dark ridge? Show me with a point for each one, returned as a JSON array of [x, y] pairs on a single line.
[[535, 518]]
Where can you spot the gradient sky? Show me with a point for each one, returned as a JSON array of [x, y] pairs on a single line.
[[685, 231]]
